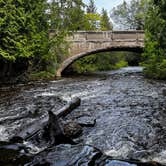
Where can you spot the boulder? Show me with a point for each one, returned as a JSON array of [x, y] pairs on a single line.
[[164, 92], [16, 153], [72, 129], [86, 121]]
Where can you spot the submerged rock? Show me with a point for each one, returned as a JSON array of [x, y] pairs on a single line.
[[72, 129], [114, 162], [81, 155], [67, 155], [86, 121], [118, 163], [13, 154], [16, 139], [164, 92]]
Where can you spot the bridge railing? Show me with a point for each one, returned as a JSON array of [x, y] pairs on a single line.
[[106, 36]]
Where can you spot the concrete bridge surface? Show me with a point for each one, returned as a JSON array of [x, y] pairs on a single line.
[[83, 43]]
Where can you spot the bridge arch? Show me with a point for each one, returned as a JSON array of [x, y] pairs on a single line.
[[86, 43], [70, 60]]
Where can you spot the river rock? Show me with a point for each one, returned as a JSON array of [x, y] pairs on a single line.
[[81, 155], [86, 121], [72, 129], [67, 155], [164, 92], [86, 157], [138, 154], [13, 153], [107, 161], [16, 139], [117, 163]]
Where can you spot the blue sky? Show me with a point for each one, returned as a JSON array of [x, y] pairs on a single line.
[[107, 4]]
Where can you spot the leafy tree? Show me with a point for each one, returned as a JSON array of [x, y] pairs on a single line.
[[91, 8], [130, 15], [23, 30], [155, 57], [14, 43], [105, 23], [74, 15], [66, 14], [63, 16], [54, 15], [91, 21], [37, 31], [100, 62]]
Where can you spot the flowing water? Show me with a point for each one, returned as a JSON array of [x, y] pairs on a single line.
[[130, 111]]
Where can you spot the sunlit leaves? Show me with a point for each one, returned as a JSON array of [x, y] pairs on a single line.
[[23, 28]]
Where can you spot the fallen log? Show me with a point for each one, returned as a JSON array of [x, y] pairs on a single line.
[[68, 108], [34, 128]]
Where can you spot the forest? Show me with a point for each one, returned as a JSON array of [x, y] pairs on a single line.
[[27, 52]]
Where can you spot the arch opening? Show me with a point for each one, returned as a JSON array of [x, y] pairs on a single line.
[[70, 60]]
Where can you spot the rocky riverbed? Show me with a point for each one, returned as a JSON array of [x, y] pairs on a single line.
[[120, 121]]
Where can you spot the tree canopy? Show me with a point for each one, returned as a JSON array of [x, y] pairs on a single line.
[[105, 23], [130, 15], [23, 29], [155, 40]]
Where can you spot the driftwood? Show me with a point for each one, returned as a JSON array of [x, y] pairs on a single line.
[[68, 107], [54, 132], [36, 127]]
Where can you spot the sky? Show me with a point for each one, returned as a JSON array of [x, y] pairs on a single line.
[[107, 4]]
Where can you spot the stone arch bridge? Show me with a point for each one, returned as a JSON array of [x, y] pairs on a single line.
[[83, 43]]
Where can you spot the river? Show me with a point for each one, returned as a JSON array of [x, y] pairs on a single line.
[[129, 110]]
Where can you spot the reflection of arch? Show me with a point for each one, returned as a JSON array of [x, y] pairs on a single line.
[[138, 48]]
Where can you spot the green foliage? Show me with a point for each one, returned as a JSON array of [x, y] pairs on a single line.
[[154, 55], [105, 23], [85, 64], [91, 21], [66, 15], [23, 30], [74, 15], [94, 21], [102, 61], [41, 75], [13, 43], [121, 64], [58, 47]]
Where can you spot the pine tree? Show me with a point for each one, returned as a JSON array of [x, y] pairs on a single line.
[[91, 8], [67, 14], [74, 19], [105, 23]]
